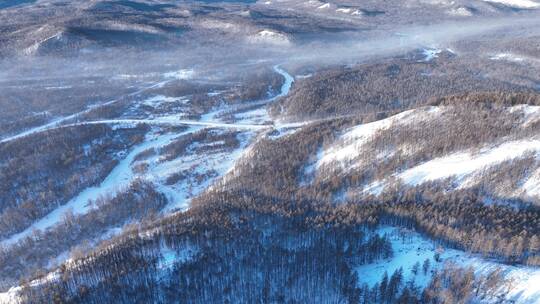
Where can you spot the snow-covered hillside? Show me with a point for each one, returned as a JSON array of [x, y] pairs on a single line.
[[465, 167], [412, 250]]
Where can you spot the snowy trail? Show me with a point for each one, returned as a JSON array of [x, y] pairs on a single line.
[[56, 123], [120, 177], [172, 121]]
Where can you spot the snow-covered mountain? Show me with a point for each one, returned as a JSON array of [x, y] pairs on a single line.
[[269, 151]]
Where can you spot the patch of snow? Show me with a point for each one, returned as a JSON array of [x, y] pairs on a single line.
[[530, 113], [410, 247], [375, 188], [35, 47], [304, 76], [465, 163], [58, 88], [170, 257], [256, 116], [461, 165], [270, 37], [212, 164], [12, 295], [158, 99], [310, 168], [214, 93], [531, 187], [431, 54], [350, 144], [344, 10], [461, 11], [507, 57], [280, 132], [516, 3], [182, 74], [324, 6]]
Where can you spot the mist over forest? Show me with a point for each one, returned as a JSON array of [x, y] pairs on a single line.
[[274, 151]]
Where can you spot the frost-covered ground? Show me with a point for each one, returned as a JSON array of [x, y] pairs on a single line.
[[411, 248]]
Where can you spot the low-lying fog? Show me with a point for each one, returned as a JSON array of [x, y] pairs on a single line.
[[218, 60]]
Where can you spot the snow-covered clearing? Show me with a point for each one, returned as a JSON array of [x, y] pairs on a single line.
[[463, 164], [410, 248], [204, 169], [349, 145], [170, 257]]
